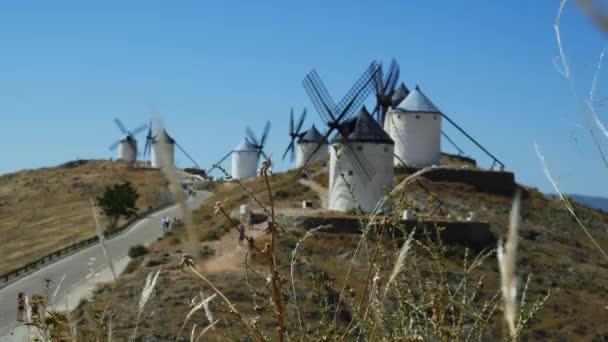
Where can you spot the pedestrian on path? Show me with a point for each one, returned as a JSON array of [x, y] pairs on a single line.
[[241, 234], [20, 306]]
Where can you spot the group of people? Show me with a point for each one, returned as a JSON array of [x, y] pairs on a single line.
[[21, 306], [243, 237], [166, 223]]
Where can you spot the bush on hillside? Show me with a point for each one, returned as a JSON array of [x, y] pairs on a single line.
[[137, 250], [118, 200]]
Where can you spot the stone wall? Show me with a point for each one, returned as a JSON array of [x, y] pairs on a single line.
[[496, 182], [471, 234]]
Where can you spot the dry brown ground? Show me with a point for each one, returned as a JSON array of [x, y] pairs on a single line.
[[46, 209], [552, 249]]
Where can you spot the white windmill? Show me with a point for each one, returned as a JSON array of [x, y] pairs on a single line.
[[307, 142], [361, 157], [161, 149], [415, 126], [246, 155], [307, 146], [366, 140], [127, 145]]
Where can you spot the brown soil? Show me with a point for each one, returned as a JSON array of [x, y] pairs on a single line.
[[47, 209]]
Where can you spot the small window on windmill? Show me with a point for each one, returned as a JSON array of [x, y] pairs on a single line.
[[417, 116], [359, 148], [350, 172], [385, 148], [398, 116], [434, 117]]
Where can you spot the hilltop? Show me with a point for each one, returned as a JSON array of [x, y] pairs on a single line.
[[46, 209], [553, 252]]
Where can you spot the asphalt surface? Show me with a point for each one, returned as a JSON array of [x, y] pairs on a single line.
[[78, 273]]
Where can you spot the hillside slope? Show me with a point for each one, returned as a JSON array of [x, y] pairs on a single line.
[[553, 251], [46, 209]]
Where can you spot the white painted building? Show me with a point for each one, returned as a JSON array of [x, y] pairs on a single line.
[[367, 139], [127, 149], [169, 153], [307, 145], [245, 158], [415, 127]]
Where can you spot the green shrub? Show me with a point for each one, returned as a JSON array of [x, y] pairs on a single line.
[[137, 250]]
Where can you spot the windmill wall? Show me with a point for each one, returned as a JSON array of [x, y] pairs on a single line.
[[366, 195], [305, 149], [417, 137], [127, 151], [244, 164], [156, 160]]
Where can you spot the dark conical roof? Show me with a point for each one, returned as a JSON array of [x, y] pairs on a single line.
[[312, 135], [416, 101], [363, 128], [169, 139], [399, 95]]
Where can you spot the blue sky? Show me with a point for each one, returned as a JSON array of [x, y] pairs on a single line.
[[211, 68]]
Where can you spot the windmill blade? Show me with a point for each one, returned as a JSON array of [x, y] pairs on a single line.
[[264, 154], [355, 97], [187, 155], [391, 78], [365, 169], [121, 127], [219, 162], [289, 148], [251, 136], [114, 145], [265, 134], [319, 97], [301, 122], [139, 129], [378, 81], [291, 121], [325, 137], [149, 139]]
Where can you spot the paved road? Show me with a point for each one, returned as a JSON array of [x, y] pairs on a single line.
[[79, 271]]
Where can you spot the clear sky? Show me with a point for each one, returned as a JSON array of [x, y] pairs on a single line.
[[211, 68]]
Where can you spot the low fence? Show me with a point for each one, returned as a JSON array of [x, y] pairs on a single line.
[[495, 182], [22, 271], [475, 235]]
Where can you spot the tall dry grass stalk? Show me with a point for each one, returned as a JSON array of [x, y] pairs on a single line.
[[400, 263], [203, 303], [272, 262], [188, 262], [173, 178], [99, 230], [144, 297], [586, 108], [292, 270], [210, 326], [409, 179], [566, 201], [507, 257]]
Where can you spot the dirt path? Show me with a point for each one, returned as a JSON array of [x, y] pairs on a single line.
[[321, 191], [229, 255]]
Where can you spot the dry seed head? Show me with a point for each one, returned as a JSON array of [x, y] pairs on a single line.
[[187, 261]]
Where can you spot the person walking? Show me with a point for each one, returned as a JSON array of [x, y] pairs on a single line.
[[20, 306], [241, 234]]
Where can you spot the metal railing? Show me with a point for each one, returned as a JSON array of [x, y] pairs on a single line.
[[494, 159], [28, 268]]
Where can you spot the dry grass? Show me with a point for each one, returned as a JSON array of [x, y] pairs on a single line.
[[46, 209]]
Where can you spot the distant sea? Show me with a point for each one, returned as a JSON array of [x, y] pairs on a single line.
[[594, 202]]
